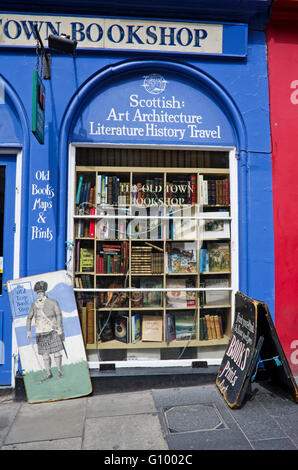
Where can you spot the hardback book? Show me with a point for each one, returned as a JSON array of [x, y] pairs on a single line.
[[151, 328], [154, 298], [185, 325], [176, 297], [170, 327], [90, 322], [79, 189], [136, 330], [204, 260], [219, 256], [86, 260], [105, 327], [190, 295], [121, 328], [182, 257], [217, 297]]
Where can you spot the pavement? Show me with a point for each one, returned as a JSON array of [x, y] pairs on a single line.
[[187, 418]]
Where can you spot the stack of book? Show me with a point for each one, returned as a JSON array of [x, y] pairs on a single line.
[[157, 263], [141, 260], [112, 259]]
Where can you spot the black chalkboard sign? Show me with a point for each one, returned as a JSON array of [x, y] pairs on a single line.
[[254, 352]]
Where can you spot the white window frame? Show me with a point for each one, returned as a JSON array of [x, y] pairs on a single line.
[[205, 353]]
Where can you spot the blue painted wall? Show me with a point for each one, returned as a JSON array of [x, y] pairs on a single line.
[[243, 82]]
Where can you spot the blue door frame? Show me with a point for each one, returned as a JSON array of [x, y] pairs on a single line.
[[8, 165]]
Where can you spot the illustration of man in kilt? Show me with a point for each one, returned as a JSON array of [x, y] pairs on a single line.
[[49, 329]]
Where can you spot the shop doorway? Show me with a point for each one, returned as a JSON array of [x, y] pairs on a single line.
[[7, 232]]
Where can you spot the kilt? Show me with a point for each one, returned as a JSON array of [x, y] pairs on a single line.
[[48, 343]]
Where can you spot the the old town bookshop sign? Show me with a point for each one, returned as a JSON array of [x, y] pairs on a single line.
[[254, 352], [91, 32]]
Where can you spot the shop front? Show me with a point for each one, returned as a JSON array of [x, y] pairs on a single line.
[[151, 182]]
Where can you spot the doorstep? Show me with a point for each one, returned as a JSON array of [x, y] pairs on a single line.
[[129, 379]]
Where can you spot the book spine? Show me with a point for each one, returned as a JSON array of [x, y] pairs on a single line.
[[92, 224], [193, 185], [90, 322], [99, 189], [79, 189]]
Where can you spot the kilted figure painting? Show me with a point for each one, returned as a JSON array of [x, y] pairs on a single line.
[[48, 332]]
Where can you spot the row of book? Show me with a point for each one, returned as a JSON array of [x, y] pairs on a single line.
[[112, 259], [110, 190], [214, 191], [103, 229], [146, 327], [211, 327], [86, 191], [182, 191], [149, 157], [146, 261], [215, 257]]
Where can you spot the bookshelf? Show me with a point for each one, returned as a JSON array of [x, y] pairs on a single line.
[[152, 248]]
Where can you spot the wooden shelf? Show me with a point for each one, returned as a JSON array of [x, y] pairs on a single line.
[[129, 176]]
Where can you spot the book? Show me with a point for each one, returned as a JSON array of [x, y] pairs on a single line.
[[151, 299], [121, 328], [216, 228], [190, 295], [182, 257], [176, 297], [152, 328], [170, 327], [136, 330], [105, 327], [217, 297], [86, 260], [83, 318], [92, 224], [219, 256], [90, 321], [185, 326], [80, 183]]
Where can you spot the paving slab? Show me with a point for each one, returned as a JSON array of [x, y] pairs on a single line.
[[274, 444], [137, 432], [210, 426], [256, 423], [227, 439], [57, 444], [118, 404], [8, 412], [48, 421]]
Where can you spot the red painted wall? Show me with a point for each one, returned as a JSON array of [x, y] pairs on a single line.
[[282, 39]]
